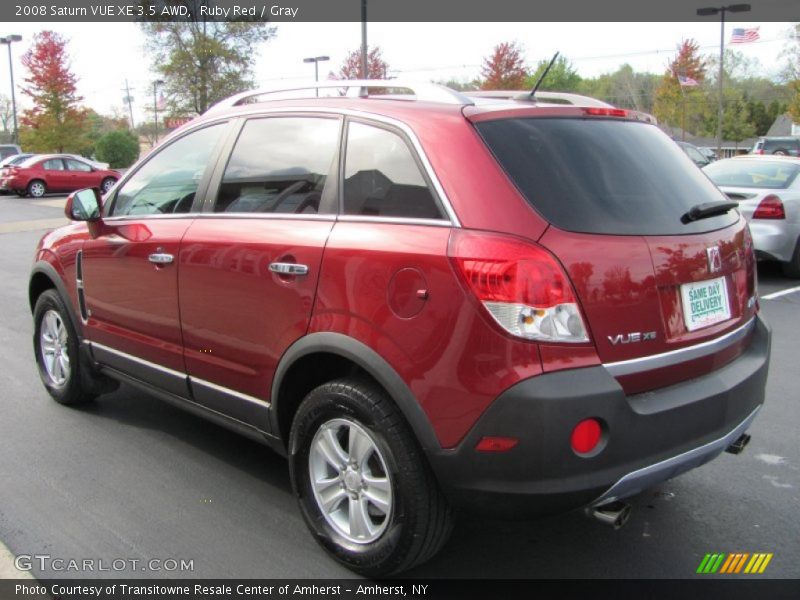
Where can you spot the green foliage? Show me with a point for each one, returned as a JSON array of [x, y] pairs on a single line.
[[562, 76], [203, 62], [119, 148], [624, 88]]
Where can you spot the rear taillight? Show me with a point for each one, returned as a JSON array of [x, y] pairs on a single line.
[[758, 151], [522, 286], [750, 267], [770, 207], [605, 112]]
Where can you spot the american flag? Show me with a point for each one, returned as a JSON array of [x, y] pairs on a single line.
[[743, 36], [687, 81]]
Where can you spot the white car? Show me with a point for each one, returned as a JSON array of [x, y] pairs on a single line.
[[767, 189]]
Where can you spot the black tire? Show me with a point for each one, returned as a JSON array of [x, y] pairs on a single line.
[[77, 388], [106, 184], [420, 519], [791, 269], [781, 152], [36, 188]]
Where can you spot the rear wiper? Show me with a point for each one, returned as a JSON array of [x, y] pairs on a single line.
[[707, 209]]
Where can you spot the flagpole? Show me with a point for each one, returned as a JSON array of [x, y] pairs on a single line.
[[721, 61]]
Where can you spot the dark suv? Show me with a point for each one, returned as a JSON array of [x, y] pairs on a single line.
[[785, 146], [425, 301]]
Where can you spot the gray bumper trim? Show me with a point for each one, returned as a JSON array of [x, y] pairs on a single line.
[[646, 477]]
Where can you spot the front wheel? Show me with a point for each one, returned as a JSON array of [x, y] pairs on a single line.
[[55, 344], [362, 482], [107, 184]]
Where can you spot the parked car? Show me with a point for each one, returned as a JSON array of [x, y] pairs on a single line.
[[7, 150], [43, 173], [767, 189], [425, 303], [14, 159], [709, 153], [782, 146], [693, 152]]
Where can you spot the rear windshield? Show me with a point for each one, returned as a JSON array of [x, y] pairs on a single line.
[[772, 175], [602, 175]]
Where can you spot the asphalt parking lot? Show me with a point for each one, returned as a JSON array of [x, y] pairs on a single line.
[[130, 478]]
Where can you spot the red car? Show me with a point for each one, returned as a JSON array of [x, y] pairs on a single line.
[[425, 301], [44, 173]]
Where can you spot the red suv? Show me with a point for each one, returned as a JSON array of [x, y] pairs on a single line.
[[426, 302], [44, 173]]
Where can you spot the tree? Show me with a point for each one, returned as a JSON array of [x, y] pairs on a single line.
[[203, 62], [624, 88], [676, 104], [96, 126], [377, 68], [562, 77], [118, 148], [791, 71], [6, 118], [504, 69], [56, 121]]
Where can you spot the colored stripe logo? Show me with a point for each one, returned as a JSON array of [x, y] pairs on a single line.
[[731, 564]]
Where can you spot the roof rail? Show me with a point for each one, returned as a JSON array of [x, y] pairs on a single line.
[[427, 92], [567, 98]]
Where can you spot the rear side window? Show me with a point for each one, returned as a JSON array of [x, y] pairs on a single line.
[[279, 165], [382, 178], [603, 176], [54, 164]]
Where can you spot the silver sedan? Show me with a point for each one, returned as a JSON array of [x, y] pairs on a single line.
[[767, 189]]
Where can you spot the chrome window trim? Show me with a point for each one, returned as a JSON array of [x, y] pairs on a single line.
[[138, 360], [394, 220], [674, 357], [228, 391], [412, 137]]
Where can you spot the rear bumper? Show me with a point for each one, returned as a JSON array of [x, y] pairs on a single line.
[[774, 240], [650, 437]]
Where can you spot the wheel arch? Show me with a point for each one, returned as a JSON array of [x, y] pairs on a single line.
[[44, 277], [339, 355]]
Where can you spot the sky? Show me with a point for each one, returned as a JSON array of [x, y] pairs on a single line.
[[104, 56]]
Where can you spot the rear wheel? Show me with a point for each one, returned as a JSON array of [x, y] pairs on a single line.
[[37, 188], [55, 344], [363, 485], [107, 184], [781, 152]]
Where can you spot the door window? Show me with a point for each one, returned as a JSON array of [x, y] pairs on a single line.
[[76, 165], [279, 165], [54, 164], [382, 178], [167, 182]]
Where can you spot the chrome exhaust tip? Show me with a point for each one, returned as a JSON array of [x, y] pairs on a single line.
[[614, 513], [739, 445]]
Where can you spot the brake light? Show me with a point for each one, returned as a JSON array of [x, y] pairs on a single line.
[[758, 151], [520, 284], [770, 207], [605, 112]]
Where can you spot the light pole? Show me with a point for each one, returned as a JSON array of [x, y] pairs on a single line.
[[721, 10], [364, 71], [156, 83], [7, 40], [316, 60]]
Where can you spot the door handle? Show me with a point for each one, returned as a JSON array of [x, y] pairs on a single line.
[[288, 268], [161, 258]]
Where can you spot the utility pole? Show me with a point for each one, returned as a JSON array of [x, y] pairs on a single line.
[[364, 72], [8, 40], [129, 100]]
